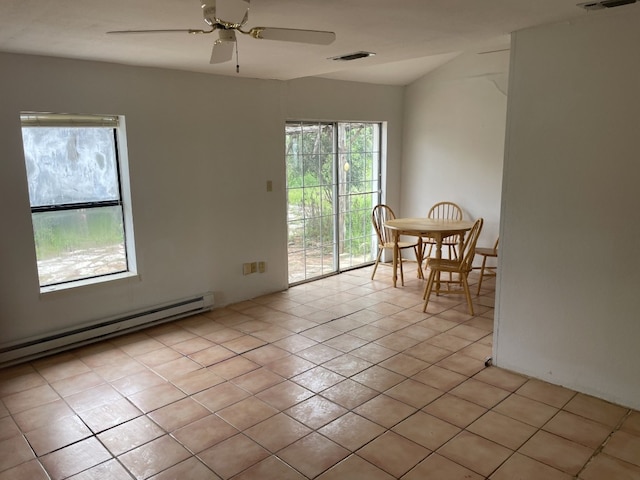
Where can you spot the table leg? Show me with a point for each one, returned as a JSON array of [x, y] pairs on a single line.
[[396, 252], [438, 257]]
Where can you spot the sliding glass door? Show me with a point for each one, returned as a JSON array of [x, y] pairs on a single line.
[[333, 183]]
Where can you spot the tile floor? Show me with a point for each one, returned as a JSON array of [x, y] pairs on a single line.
[[343, 378]]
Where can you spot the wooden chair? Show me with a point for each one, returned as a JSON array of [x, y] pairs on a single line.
[[485, 270], [380, 214], [450, 211], [460, 266]]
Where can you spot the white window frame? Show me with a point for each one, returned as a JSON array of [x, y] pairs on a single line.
[[120, 144]]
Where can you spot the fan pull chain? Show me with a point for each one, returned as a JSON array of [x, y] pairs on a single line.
[[237, 62]]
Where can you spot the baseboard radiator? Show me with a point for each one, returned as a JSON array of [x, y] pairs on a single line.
[[53, 343]]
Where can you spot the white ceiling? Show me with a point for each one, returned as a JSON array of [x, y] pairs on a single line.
[[409, 37]]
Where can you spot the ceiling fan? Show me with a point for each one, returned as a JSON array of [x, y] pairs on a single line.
[[238, 11]]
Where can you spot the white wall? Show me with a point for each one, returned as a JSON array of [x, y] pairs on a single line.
[[454, 139], [568, 309], [201, 149]]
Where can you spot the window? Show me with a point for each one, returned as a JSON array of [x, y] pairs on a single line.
[[81, 224]]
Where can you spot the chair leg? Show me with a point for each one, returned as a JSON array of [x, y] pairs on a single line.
[[427, 289], [467, 293], [375, 267], [484, 262], [401, 269], [418, 251]]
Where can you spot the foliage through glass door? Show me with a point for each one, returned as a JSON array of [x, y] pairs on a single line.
[[333, 183]]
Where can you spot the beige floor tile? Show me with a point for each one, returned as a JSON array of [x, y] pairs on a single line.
[[603, 466], [40, 416], [355, 468], [404, 364], [596, 409], [503, 430], [462, 364], [277, 432], [393, 453], [284, 395], [176, 368], [156, 397], [78, 383], [349, 393], [313, 454], [632, 423], [191, 469], [414, 393], [75, 458], [57, 434], [130, 435], [385, 411], [204, 433], [557, 452], [397, 341], [246, 413], [546, 393], [271, 468], [266, 354], [212, 355], [317, 379], [221, 396], [137, 382], [257, 380], [426, 430], [192, 345], [31, 398], [346, 342], [373, 353], [526, 410], [316, 411], [578, 429], [624, 446], [347, 365], [31, 470], [109, 470], [233, 456], [351, 431], [290, 366], [475, 453], [14, 451], [501, 378], [154, 457], [479, 392], [233, 367], [178, 414], [525, 468], [428, 353], [437, 467], [8, 428], [197, 381], [378, 378], [319, 353], [440, 378], [93, 397], [454, 410]]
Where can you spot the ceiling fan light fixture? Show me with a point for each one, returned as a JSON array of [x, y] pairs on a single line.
[[352, 56]]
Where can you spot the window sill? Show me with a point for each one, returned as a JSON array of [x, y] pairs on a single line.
[[87, 283]]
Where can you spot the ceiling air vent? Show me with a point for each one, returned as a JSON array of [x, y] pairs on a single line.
[[353, 56], [605, 4]]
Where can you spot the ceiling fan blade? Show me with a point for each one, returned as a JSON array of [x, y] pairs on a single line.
[[223, 47], [315, 37], [170, 30]]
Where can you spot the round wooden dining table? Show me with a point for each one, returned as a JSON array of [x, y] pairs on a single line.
[[435, 228]]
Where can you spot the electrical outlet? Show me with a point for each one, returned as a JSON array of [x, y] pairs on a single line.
[[254, 267], [246, 268], [262, 267]]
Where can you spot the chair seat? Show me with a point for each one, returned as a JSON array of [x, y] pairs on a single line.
[[444, 264], [400, 245]]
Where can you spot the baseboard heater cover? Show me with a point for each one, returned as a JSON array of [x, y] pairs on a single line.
[[38, 347]]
